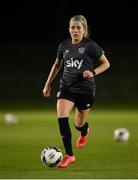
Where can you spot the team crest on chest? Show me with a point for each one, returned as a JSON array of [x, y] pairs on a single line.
[[81, 50]]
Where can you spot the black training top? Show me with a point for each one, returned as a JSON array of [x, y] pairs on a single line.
[[78, 58]]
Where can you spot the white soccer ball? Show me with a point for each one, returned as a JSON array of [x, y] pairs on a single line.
[[51, 156], [121, 134], [10, 119]]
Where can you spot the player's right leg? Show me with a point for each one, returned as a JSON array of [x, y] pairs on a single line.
[[64, 108]]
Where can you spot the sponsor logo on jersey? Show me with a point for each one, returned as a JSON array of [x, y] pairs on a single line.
[[81, 50], [74, 63]]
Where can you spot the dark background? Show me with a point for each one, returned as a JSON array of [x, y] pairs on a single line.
[[30, 32]]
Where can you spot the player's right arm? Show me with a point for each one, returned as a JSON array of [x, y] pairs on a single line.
[[54, 71]]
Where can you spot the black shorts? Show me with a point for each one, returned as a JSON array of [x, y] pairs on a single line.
[[82, 101]]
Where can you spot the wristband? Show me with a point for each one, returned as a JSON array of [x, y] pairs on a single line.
[[94, 73]]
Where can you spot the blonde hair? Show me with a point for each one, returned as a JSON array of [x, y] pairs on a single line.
[[83, 21]]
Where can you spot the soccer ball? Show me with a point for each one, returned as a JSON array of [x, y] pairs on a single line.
[[10, 119], [121, 134], [51, 156]]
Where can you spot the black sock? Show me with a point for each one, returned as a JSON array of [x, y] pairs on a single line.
[[83, 129], [66, 134]]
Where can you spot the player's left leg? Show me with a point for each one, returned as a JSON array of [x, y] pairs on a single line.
[[82, 125]]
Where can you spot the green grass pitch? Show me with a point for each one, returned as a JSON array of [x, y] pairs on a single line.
[[21, 145]]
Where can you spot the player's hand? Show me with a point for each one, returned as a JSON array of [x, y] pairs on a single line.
[[87, 74], [46, 91]]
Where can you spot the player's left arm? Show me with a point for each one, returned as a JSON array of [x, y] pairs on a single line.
[[104, 65]]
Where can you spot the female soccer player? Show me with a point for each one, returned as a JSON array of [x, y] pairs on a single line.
[[77, 85]]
